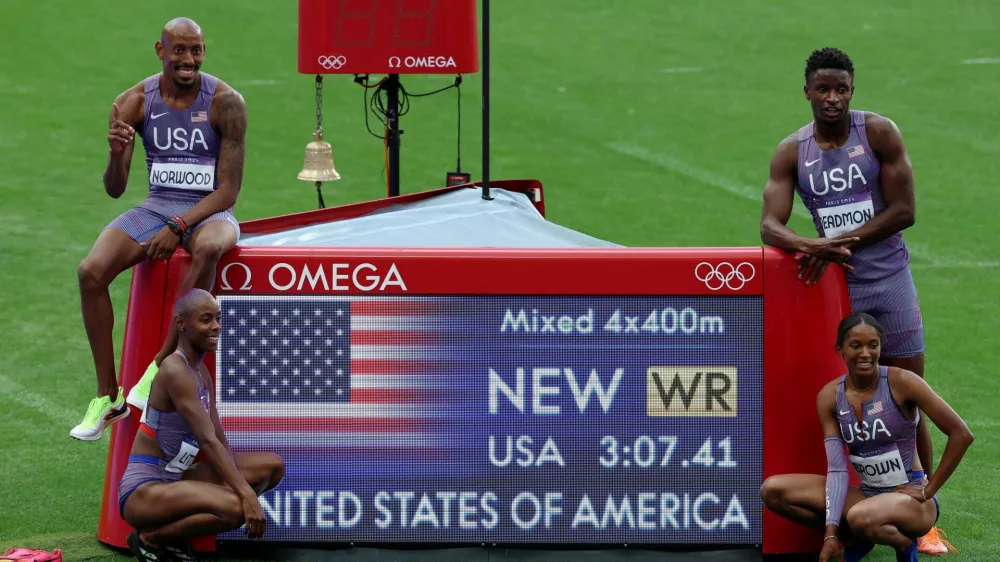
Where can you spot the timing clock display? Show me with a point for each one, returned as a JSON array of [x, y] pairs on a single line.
[[388, 37]]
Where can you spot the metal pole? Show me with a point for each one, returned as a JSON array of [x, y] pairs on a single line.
[[392, 89], [486, 100]]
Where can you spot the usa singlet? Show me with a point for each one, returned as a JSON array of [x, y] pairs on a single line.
[[182, 149], [842, 191], [882, 443]]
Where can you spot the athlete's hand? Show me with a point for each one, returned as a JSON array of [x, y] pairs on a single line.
[[811, 268], [915, 492], [162, 245], [121, 134], [831, 551], [256, 522], [836, 250]]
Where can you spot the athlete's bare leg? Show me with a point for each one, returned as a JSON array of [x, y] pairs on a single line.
[[802, 498], [170, 513], [925, 449], [892, 518], [263, 471], [112, 253], [207, 245]]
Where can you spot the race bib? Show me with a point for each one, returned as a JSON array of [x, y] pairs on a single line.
[[881, 471], [843, 218], [194, 177], [184, 458]]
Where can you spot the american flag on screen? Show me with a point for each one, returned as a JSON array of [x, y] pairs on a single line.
[[329, 371]]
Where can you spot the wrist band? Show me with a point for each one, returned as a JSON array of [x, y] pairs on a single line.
[[180, 222], [178, 227], [923, 492], [175, 228], [834, 537]]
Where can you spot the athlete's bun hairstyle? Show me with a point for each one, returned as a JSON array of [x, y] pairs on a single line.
[[856, 319], [828, 57], [189, 300]]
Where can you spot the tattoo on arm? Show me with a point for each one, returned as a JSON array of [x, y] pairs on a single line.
[[232, 123]]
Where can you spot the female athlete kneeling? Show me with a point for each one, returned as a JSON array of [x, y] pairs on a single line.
[[168, 492], [874, 410]]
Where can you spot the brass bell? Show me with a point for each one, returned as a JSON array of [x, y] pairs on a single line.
[[319, 161]]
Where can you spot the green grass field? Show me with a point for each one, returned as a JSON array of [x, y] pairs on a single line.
[[650, 123]]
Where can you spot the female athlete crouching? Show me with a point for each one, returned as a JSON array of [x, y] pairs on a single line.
[[874, 410], [168, 492]]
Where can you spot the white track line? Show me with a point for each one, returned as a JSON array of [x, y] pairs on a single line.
[[38, 403], [957, 264], [713, 179], [700, 174], [981, 61]]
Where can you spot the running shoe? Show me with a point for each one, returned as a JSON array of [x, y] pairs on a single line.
[[933, 543], [100, 415], [139, 395]]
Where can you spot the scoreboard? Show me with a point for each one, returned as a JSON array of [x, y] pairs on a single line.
[[388, 37], [601, 396], [546, 419]]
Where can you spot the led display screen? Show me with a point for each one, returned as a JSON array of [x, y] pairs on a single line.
[[548, 419]]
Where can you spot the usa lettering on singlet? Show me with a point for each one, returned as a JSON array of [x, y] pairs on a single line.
[[843, 192], [182, 149], [881, 445]]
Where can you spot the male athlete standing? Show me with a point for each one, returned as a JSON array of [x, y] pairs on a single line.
[[193, 128], [852, 172]]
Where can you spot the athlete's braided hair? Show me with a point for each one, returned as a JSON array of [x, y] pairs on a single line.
[[828, 57], [856, 319]]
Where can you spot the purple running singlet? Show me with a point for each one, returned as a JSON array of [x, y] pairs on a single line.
[[182, 152], [842, 190]]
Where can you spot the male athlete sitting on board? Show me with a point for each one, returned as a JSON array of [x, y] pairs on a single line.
[[193, 128]]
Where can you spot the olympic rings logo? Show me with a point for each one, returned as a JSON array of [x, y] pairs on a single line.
[[332, 62], [725, 274]]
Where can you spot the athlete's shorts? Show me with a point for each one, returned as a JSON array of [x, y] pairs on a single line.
[[142, 222], [140, 470], [893, 302]]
